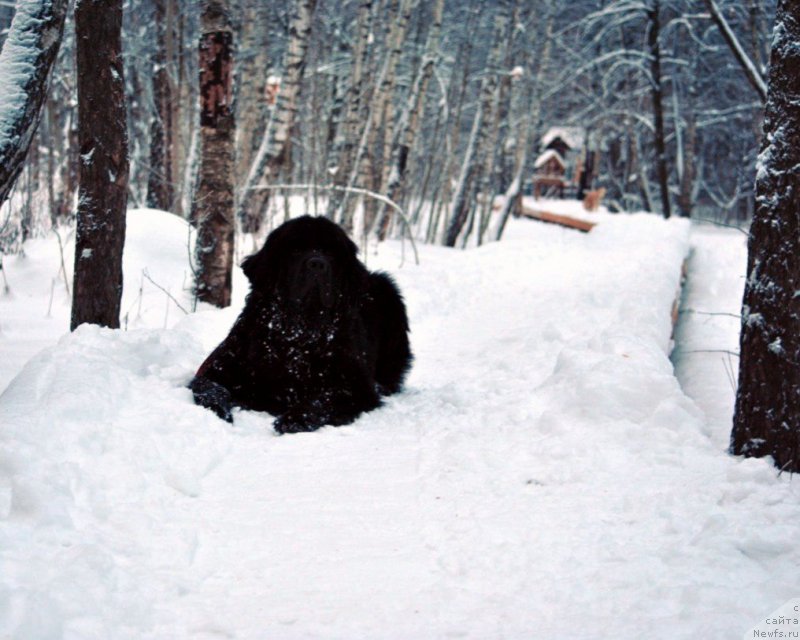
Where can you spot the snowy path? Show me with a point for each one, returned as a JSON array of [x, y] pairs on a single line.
[[543, 475], [709, 326]]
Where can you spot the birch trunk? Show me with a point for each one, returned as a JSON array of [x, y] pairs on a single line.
[[466, 191], [213, 202], [159, 178], [531, 106], [348, 131], [272, 152], [378, 110], [251, 104], [408, 126], [103, 173]]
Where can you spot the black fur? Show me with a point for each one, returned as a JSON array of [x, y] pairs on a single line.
[[320, 338]]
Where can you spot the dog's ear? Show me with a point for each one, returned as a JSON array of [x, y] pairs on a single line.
[[254, 268], [261, 268]]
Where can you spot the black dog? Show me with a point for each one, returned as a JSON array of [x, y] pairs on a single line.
[[320, 338]]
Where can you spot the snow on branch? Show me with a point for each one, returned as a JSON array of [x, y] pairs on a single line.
[[25, 63], [742, 58]]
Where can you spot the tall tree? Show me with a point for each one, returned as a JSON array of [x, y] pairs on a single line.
[[354, 110], [26, 61], [272, 151], [767, 420], [657, 90], [466, 191], [213, 205], [103, 173], [159, 177], [395, 165]]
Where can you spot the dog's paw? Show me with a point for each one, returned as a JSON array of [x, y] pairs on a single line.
[[213, 396], [297, 422]]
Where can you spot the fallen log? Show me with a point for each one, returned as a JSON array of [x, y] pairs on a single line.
[[555, 218]]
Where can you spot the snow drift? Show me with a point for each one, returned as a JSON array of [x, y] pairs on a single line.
[[543, 475]]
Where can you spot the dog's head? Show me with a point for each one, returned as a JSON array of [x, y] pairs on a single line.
[[308, 262]]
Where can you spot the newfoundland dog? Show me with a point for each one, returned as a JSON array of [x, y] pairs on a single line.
[[320, 338]]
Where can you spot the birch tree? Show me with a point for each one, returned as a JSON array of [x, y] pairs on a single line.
[[408, 124], [160, 180], [26, 61], [274, 145], [377, 112], [213, 203], [766, 420], [466, 191], [103, 174], [347, 132], [529, 97]]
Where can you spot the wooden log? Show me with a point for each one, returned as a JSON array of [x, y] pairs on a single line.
[[554, 218]]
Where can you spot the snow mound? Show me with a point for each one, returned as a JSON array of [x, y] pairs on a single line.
[[543, 475]]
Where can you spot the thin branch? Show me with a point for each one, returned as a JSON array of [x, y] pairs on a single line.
[[750, 71], [169, 295]]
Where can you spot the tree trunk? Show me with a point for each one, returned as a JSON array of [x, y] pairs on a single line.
[[653, 32], [530, 106], [408, 125], [159, 177], [377, 112], [103, 173], [213, 202], [274, 146], [466, 190], [767, 420], [251, 72], [32, 44], [354, 110]]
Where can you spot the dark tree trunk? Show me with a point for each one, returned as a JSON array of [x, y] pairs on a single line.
[[213, 206], [767, 419], [653, 31], [32, 42], [159, 178], [103, 173]]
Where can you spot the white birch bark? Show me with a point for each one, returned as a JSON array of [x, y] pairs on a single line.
[[347, 133], [273, 147], [378, 106], [408, 124], [466, 189]]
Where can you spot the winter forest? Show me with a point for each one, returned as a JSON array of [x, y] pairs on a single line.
[[564, 367]]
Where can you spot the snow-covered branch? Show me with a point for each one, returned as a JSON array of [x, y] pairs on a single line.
[[25, 63]]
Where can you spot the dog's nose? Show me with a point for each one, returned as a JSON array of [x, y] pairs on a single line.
[[317, 264]]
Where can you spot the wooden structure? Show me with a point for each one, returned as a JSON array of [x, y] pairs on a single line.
[[556, 218], [560, 169], [551, 170]]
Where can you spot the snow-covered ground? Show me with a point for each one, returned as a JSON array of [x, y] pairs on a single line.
[[708, 333], [543, 475]]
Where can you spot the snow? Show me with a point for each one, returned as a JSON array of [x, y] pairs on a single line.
[[573, 136], [543, 475], [550, 153], [706, 362]]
